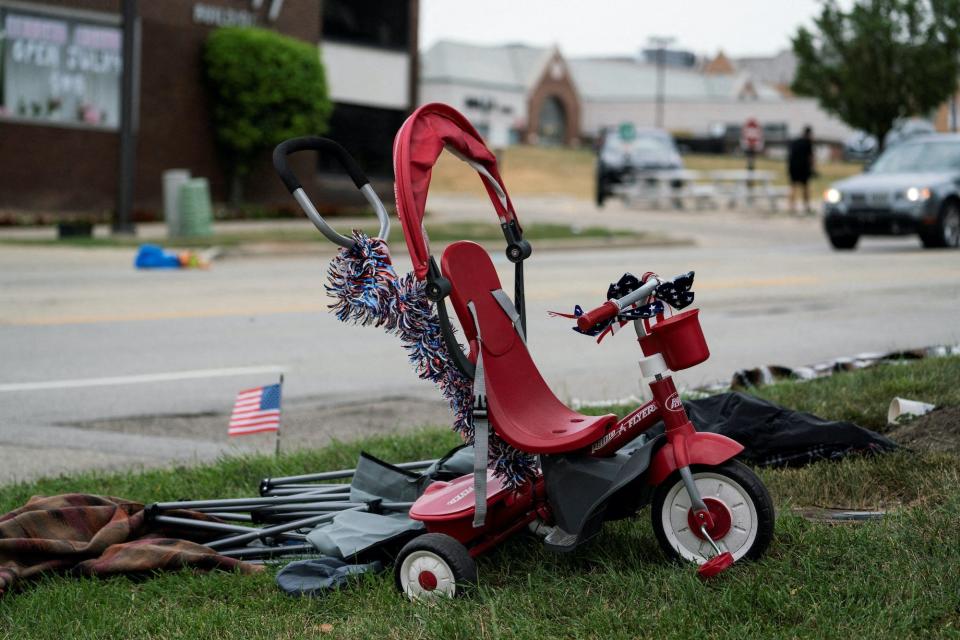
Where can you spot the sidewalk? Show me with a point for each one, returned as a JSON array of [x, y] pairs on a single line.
[[157, 231], [262, 238], [704, 225]]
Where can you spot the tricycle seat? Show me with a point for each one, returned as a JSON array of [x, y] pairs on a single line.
[[521, 407]]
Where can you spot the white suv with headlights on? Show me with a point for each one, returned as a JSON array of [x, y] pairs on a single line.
[[913, 187]]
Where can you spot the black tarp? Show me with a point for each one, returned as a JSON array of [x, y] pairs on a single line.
[[775, 436]]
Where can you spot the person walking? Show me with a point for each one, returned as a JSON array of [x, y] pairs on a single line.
[[800, 168]]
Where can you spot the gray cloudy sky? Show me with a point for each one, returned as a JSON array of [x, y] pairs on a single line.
[[581, 27]]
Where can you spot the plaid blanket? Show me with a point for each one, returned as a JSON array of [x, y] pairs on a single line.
[[97, 536]]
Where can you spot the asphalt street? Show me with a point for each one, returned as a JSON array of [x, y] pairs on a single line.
[[105, 366]]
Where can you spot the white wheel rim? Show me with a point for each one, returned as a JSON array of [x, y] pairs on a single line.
[[743, 522], [416, 563]]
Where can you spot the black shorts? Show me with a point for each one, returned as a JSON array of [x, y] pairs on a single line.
[[799, 174]]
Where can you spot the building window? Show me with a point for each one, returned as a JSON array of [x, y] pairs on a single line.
[[59, 70], [373, 23], [363, 130]]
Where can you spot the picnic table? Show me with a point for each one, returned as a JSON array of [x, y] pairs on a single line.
[[675, 186], [742, 187], [679, 187]]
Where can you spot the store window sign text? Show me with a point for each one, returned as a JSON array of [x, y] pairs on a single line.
[[218, 16], [61, 70], [94, 49]]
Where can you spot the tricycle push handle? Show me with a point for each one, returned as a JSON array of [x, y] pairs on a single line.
[[325, 145], [611, 308]]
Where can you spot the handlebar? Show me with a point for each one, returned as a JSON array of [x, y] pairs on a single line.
[[611, 308], [595, 316], [325, 145]]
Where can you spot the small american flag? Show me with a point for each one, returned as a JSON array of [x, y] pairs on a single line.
[[255, 411]]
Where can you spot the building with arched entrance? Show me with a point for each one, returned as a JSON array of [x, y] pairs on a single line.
[[511, 93], [518, 93]]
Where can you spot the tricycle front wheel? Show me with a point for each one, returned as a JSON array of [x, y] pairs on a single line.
[[741, 507]]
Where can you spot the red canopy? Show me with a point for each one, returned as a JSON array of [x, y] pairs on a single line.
[[418, 144]]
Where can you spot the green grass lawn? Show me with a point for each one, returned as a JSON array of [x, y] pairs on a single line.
[[846, 397], [437, 231], [898, 577]]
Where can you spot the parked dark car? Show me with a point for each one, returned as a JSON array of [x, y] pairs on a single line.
[[913, 187], [625, 154]]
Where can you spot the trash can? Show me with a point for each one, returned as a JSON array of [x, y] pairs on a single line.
[[196, 210], [173, 179]]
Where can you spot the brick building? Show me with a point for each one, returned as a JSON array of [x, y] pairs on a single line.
[[60, 92]]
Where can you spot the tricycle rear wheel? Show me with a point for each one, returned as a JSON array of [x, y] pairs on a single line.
[[435, 564]]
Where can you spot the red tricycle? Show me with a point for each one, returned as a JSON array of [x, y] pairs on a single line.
[[706, 507]]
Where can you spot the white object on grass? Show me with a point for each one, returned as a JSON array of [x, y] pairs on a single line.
[[900, 407]]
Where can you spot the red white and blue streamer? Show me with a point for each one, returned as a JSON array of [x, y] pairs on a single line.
[[369, 292]]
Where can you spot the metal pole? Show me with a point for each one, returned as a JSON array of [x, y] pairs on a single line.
[[314, 487], [953, 113], [315, 506], [239, 517], [129, 103], [258, 552], [293, 490], [660, 87], [225, 503], [308, 506], [267, 489], [268, 532], [288, 512], [335, 475], [219, 527], [277, 452], [660, 43], [271, 518]]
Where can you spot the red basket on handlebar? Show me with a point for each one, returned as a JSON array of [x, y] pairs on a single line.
[[679, 339]]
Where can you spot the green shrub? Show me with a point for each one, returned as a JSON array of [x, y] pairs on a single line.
[[266, 88]]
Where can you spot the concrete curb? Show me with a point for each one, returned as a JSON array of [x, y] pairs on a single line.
[[277, 249]]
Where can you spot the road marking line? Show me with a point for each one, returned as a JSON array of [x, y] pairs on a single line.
[[139, 379], [165, 315], [314, 307]]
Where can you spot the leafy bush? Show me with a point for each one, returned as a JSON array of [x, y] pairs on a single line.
[[266, 88]]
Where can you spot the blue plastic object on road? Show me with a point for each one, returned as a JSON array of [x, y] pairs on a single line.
[[151, 256]]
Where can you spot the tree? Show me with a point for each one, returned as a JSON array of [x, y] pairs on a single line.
[[266, 88], [882, 60]]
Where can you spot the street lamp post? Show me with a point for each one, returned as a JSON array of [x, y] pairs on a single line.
[[660, 43], [129, 107]]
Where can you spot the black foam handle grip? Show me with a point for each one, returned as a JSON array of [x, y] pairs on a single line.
[[321, 145]]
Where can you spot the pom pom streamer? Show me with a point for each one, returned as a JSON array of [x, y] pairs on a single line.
[[368, 291]]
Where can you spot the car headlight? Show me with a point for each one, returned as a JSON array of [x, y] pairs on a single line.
[[918, 194], [832, 196]]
